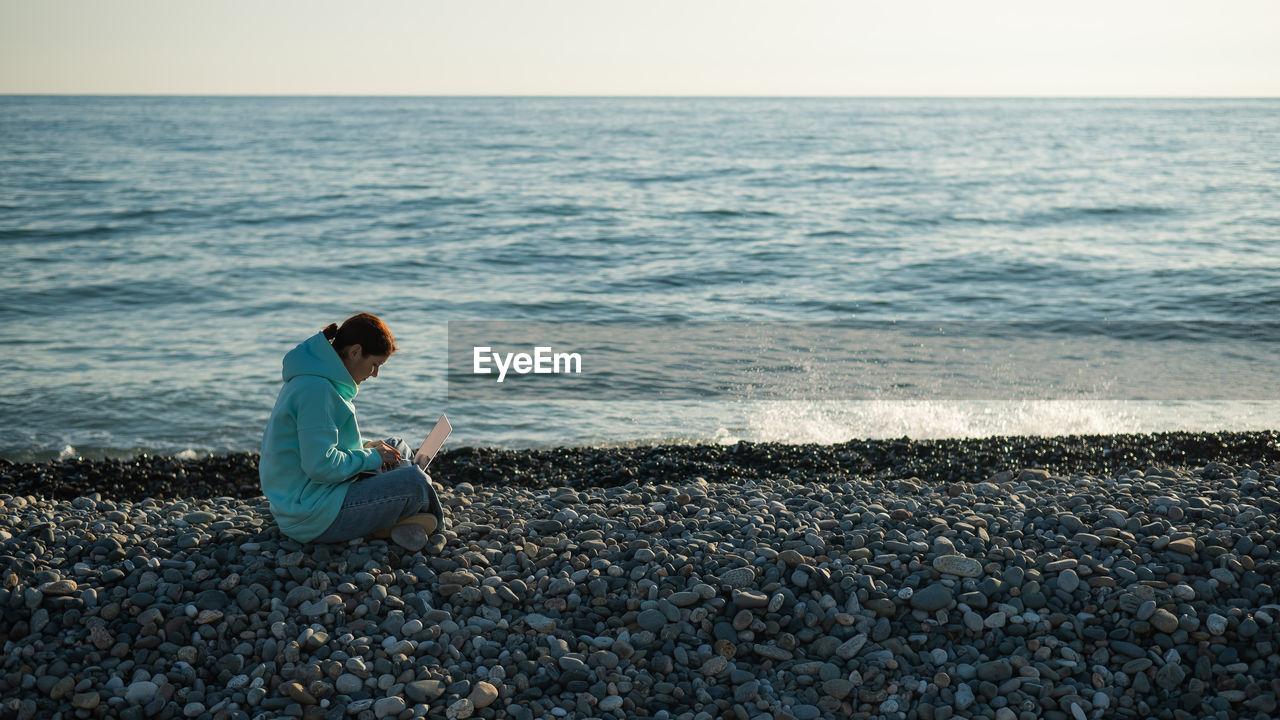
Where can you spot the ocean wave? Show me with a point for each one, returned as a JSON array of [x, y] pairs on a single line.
[[678, 178], [283, 218], [847, 169], [831, 423], [692, 277], [134, 292], [421, 202], [1067, 215], [66, 232], [569, 210], [151, 213], [728, 213]]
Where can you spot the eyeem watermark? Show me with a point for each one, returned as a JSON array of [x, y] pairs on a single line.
[[543, 361]]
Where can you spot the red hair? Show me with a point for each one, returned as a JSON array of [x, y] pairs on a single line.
[[365, 330]]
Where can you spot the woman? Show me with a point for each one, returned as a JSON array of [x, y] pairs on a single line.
[[324, 483]]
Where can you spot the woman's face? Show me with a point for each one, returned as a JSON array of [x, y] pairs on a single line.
[[361, 366]]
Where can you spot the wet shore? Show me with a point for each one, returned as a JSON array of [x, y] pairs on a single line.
[[963, 460]]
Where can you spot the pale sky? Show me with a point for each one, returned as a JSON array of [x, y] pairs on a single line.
[[1141, 48]]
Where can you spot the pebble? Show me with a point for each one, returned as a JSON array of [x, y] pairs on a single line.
[[1170, 676], [540, 623], [806, 712], [995, 671], [1145, 610], [388, 706], [1164, 621], [684, 599], [460, 709], [738, 578], [1128, 649], [59, 588], [933, 598], [651, 620], [348, 684], [1068, 580], [1183, 546], [424, 691], [296, 691], [838, 688], [483, 695], [958, 565], [714, 666], [141, 692], [773, 652], [1215, 624], [851, 647]]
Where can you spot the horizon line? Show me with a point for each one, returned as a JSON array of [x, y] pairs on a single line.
[[587, 96]]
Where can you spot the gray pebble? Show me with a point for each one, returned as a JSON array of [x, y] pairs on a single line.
[[348, 684], [932, 598], [141, 692], [388, 706], [957, 565], [651, 620]]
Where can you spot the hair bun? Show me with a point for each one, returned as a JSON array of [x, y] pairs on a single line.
[[330, 331]]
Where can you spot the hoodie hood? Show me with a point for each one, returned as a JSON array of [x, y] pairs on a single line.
[[316, 356]]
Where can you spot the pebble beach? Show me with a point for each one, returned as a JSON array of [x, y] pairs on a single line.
[[1126, 576]]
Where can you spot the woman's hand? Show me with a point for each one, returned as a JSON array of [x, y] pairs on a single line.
[[390, 456]]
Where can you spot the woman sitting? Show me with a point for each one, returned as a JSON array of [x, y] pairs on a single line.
[[324, 483]]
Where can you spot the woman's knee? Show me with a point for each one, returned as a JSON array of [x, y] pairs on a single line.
[[402, 447], [410, 483], [424, 488]]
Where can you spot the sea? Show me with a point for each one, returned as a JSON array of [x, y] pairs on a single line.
[[725, 269]]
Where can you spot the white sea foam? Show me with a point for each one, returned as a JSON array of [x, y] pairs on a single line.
[[827, 423]]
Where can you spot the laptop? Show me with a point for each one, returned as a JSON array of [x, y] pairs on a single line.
[[431, 446]]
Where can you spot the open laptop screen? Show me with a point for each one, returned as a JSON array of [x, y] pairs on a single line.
[[431, 446]]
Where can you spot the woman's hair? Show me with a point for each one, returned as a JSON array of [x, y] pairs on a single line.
[[365, 330]]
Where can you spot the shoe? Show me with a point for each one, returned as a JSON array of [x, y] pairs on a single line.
[[426, 521]]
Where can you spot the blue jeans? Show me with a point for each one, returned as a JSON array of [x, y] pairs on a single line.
[[376, 501]]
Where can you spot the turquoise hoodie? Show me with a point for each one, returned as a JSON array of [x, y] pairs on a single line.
[[312, 444]]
